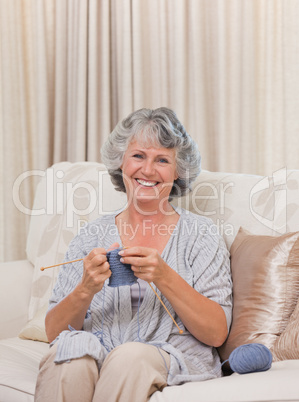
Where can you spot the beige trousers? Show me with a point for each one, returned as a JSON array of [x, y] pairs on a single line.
[[131, 372]]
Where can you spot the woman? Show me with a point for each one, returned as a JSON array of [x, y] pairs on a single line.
[[106, 348]]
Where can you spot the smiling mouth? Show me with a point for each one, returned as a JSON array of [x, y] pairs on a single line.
[[147, 183]]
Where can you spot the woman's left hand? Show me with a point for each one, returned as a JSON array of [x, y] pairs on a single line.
[[203, 317], [146, 263]]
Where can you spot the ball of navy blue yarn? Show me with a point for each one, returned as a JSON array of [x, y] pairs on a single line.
[[250, 358], [121, 274]]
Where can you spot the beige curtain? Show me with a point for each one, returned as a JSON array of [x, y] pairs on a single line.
[[70, 69]]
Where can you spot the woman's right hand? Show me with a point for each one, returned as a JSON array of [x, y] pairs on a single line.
[[96, 270], [71, 310]]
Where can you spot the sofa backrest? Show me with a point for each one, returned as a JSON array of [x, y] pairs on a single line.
[[70, 194], [262, 205]]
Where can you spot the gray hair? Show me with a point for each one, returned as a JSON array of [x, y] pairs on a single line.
[[158, 128]]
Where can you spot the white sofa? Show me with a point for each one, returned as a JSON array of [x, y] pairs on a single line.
[[68, 195]]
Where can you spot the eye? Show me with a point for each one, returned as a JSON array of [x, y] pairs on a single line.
[[163, 160], [138, 156]]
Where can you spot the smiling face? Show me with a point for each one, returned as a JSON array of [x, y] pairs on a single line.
[[148, 173]]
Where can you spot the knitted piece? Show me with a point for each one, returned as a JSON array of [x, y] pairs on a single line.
[[122, 274]]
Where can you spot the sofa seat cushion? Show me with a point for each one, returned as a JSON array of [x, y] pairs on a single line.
[[19, 362], [278, 384]]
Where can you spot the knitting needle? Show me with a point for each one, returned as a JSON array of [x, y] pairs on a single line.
[[80, 259], [62, 263], [180, 330]]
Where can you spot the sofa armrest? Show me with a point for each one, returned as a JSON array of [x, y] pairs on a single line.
[[15, 290]]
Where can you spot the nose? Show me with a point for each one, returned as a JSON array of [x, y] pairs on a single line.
[[148, 167]]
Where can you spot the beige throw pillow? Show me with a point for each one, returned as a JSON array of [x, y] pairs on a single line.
[[35, 328], [287, 345], [265, 272]]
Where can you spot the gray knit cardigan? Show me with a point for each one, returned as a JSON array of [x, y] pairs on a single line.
[[196, 252]]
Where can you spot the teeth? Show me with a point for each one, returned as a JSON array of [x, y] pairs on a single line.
[[146, 183]]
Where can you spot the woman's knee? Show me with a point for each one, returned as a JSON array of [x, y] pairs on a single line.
[[140, 369], [129, 353], [76, 368], [137, 354], [66, 381]]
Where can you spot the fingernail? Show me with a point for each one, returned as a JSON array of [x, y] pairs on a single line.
[[121, 252], [122, 260]]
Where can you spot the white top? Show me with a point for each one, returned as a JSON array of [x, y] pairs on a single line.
[[137, 290]]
